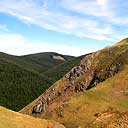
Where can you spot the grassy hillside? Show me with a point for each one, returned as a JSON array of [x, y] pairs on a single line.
[[10, 119], [98, 84], [84, 108], [111, 120]]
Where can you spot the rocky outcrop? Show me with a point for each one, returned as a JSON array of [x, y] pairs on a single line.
[[69, 86], [81, 69], [101, 76], [44, 101], [93, 69]]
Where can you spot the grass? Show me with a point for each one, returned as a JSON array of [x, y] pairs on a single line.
[[81, 109], [10, 119], [110, 95]]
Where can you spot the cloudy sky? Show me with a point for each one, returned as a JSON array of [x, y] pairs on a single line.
[[73, 27]]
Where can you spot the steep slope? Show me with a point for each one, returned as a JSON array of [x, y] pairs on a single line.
[[86, 109], [10, 119], [46, 60], [92, 70]]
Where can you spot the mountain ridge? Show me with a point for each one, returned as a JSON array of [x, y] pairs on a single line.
[[45, 60], [93, 69]]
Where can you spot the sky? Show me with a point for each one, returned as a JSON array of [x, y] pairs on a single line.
[[70, 27]]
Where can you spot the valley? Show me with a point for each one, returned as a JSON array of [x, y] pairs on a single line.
[[90, 91], [22, 79], [63, 64]]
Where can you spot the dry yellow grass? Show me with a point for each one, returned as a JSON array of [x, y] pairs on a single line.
[[83, 109], [10, 119]]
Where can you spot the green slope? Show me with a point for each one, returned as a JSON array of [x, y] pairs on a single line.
[[19, 86], [18, 61], [39, 62], [45, 60]]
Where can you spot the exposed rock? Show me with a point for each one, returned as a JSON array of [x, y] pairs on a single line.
[[37, 108], [82, 77], [40, 106], [80, 69]]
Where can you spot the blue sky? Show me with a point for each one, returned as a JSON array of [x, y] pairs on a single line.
[[72, 27]]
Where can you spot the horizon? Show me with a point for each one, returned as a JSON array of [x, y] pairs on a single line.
[[75, 27]]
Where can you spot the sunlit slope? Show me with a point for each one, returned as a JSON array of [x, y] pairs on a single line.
[[81, 110], [87, 109], [111, 120], [10, 119]]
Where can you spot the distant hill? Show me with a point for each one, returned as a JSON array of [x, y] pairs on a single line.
[[39, 62], [46, 60], [22, 79], [18, 61], [93, 94], [10, 119]]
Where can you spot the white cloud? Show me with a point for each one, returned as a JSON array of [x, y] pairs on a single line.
[[89, 7], [102, 2], [32, 12], [112, 13], [96, 22], [16, 44]]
